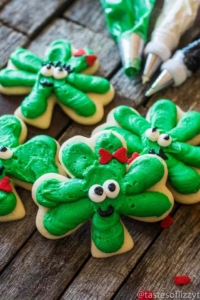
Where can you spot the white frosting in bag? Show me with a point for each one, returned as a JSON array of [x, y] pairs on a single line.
[[177, 68], [176, 17]]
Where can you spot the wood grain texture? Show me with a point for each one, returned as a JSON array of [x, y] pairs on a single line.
[[88, 13], [29, 16], [10, 39], [100, 278], [14, 234], [175, 252], [43, 267], [3, 2]]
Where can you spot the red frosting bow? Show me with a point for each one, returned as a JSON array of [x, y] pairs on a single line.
[[120, 155], [90, 58], [5, 185]]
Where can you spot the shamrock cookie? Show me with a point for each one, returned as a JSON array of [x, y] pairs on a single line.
[[61, 77], [169, 133], [13, 132], [104, 184]]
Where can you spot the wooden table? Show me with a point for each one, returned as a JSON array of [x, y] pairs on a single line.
[[33, 267]]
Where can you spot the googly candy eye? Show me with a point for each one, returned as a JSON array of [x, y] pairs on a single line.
[[111, 188], [5, 152], [96, 193], [47, 70], [60, 73], [164, 140], [152, 134]]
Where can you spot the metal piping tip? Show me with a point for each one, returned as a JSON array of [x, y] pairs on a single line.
[[164, 80], [152, 64], [131, 48]]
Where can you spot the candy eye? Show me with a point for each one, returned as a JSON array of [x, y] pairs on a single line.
[[152, 134], [47, 70], [164, 140], [96, 193], [5, 152], [111, 188], [60, 73]]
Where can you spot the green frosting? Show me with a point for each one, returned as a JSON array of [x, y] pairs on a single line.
[[75, 201], [70, 89], [128, 15], [8, 203], [10, 131], [8, 200], [124, 18], [179, 156], [32, 159]]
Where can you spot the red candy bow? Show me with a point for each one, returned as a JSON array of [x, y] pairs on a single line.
[[90, 58], [120, 155], [5, 185]]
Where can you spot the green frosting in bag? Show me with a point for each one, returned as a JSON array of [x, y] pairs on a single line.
[[126, 18]]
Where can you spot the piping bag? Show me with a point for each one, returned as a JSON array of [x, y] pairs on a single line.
[[176, 17], [128, 22], [176, 70]]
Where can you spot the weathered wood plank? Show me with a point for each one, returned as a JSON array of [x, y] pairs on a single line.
[[44, 267], [88, 13], [14, 234], [30, 16], [130, 88], [100, 278], [176, 252], [10, 39], [3, 2]]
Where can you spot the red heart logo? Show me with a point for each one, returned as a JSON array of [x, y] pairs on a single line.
[[105, 156], [121, 155], [133, 157], [90, 59], [79, 52], [5, 185]]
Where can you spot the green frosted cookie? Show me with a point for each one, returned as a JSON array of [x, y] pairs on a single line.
[[104, 185], [169, 133], [62, 77]]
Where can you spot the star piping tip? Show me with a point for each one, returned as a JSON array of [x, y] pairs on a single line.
[[145, 79]]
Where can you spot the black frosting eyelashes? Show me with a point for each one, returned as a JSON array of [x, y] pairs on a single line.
[[57, 64]]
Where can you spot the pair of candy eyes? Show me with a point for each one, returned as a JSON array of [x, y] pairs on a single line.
[[98, 193], [51, 71], [5, 152], [163, 140]]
